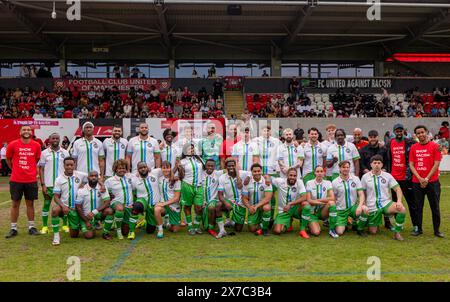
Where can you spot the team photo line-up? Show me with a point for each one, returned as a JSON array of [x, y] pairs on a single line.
[[264, 182]]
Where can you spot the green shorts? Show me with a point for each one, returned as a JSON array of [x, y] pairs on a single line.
[[376, 218], [174, 216], [191, 195], [50, 193], [254, 219], [73, 220], [239, 212], [84, 228], [316, 214], [342, 215], [150, 215], [285, 217], [308, 177]]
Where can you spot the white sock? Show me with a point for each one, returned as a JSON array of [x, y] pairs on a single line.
[[221, 227], [14, 226], [30, 224], [160, 228]]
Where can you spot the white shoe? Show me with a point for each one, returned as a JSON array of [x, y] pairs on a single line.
[[56, 239], [230, 223], [119, 234], [221, 234]]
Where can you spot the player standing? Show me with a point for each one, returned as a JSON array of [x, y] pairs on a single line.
[[51, 166], [314, 153], [143, 148], [289, 155], [169, 151], [341, 151], [211, 145], [114, 148], [245, 152], [210, 190]]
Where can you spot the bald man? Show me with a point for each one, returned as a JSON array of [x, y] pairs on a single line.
[[358, 139]]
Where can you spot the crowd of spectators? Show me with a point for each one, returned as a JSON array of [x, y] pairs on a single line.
[[110, 103], [31, 71]]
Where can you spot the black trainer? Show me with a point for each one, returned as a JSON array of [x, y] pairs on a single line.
[[11, 233], [33, 231], [361, 233], [416, 231], [439, 234]]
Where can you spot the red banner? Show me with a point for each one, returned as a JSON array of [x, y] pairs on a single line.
[[233, 83], [122, 84]]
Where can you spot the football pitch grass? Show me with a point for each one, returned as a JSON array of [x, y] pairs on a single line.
[[244, 257]]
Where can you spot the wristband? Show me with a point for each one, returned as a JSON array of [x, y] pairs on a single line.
[[95, 212]]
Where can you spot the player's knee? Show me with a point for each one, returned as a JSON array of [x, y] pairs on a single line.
[[15, 204], [267, 208], [108, 212], [372, 231], [198, 210], [315, 232], [89, 235], [340, 231], [174, 229]]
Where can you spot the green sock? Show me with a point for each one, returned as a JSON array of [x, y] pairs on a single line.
[[265, 220], [219, 220], [118, 217], [332, 216], [361, 222], [197, 221], [189, 221], [305, 218], [64, 219], [210, 226], [132, 222], [55, 224], [108, 224], [272, 206], [399, 221], [45, 210]]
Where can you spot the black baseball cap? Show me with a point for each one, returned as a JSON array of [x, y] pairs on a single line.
[[373, 133], [398, 126]]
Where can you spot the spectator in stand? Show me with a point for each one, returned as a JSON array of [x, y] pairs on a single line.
[[194, 74], [212, 72], [358, 139], [125, 71], [294, 86], [218, 89], [116, 71], [444, 131], [24, 71], [5, 168], [264, 74], [33, 71], [135, 72]]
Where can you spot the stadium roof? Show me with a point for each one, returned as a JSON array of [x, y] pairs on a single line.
[[138, 30]]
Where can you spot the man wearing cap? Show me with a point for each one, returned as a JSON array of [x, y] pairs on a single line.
[[88, 152], [397, 165], [115, 148], [169, 152]]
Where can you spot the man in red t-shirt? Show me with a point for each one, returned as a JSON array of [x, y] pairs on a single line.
[[22, 156], [398, 150], [357, 139], [228, 143], [424, 160]]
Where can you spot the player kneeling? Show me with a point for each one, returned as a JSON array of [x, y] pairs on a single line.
[[66, 185], [378, 185], [93, 206], [170, 190], [291, 203], [256, 197], [319, 194], [210, 186]]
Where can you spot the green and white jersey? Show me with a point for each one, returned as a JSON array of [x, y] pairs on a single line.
[[327, 144], [346, 152], [314, 156], [211, 148], [346, 191], [91, 198], [193, 171], [211, 185], [87, 154], [268, 151], [182, 142], [142, 150], [171, 154], [147, 188], [67, 187], [228, 186], [120, 189], [244, 152], [114, 150], [289, 155], [168, 190], [318, 190], [53, 163], [255, 190], [287, 193], [378, 189]]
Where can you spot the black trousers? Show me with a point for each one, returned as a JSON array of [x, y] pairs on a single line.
[[433, 192], [407, 190], [5, 168]]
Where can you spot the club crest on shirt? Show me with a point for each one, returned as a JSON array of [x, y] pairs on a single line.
[[353, 184], [63, 155], [320, 151], [122, 146], [171, 187], [294, 189], [95, 145], [129, 181], [324, 189], [152, 179], [347, 150], [213, 180], [261, 189], [270, 145], [77, 180], [383, 181]]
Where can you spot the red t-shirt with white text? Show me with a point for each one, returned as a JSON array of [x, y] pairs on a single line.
[[24, 158], [398, 163], [423, 157]]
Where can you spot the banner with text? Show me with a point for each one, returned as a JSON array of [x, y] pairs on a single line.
[[121, 84]]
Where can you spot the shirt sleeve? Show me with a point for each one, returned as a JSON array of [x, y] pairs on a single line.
[[280, 155], [101, 150], [302, 188], [80, 196], [105, 195], [255, 149], [392, 182], [301, 152], [308, 187], [234, 151], [10, 150], [412, 154], [156, 149], [177, 186], [220, 187], [74, 152], [130, 148], [156, 172], [38, 152], [245, 190], [329, 153], [57, 187], [437, 153], [355, 153], [42, 160], [362, 184]]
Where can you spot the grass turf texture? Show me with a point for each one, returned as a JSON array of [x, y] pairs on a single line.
[[244, 257]]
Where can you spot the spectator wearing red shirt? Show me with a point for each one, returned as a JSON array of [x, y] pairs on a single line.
[[228, 143], [424, 160], [357, 139], [444, 131], [67, 114], [22, 156], [398, 149]]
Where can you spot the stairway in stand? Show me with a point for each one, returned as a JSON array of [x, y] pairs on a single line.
[[234, 103]]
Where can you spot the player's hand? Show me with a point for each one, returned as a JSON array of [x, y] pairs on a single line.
[[44, 190], [247, 180], [252, 209], [399, 206], [90, 215], [102, 188], [295, 143], [65, 209], [287, 207], [162, 145], [88, 225], [267, 179]]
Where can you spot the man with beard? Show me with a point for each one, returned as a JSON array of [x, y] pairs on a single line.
[[341, 151], [92, 206], [398, 150], [51, 166], [115, 148], [358, 141], [210, 146], [169, 151], [229, 143], [314, 153], [143, 148], [65, 189], [373, 148], [245, 152], [289, 155], [88, 152], [230, 196], [22, 156]]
